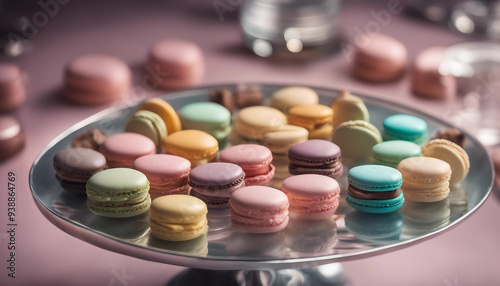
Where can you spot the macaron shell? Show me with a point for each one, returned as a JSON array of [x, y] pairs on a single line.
[[316, 118], [356, 139], [122, 149], [210, 117], [375, 178], [248, 156], [314, 152], [216, 176], [390, 153], [451, 153], [148, 124], [12, 87], [254, 121], [194, 145], [178, 209], [288, 97], [117, 184], [78, 164], [405, 127], [348, 107], [279, 141], [376, 206], [162, 168], [12, 137], [165, 111]]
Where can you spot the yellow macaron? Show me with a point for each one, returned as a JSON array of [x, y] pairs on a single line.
[[197, 146], [316, 118], [255, 121], [165, 111], [177, 217], [452, 154]]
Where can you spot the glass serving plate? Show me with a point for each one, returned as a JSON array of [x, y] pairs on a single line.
[[301, 253]]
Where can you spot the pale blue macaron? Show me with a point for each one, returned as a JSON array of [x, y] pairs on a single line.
[[375, 189], [405, 127], [210, 117], [390, 153]]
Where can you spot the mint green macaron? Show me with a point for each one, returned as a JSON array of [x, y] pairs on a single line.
[[148, 124], [210, 117], [390, 153], [405, 127], [118, 192]]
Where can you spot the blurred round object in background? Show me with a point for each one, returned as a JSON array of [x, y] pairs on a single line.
[[12, 87], [292, 29], [12, 138]]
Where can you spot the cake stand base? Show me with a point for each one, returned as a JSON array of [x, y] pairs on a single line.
[[328, 274]]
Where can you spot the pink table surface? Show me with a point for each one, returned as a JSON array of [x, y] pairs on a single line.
[[45, 255]]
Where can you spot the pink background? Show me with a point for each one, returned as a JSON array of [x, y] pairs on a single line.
[[466, 255]]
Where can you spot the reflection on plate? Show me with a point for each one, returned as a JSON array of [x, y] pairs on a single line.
[[301, 244]]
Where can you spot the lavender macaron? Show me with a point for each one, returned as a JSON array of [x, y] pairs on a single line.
[[315, 156], [214, 183]]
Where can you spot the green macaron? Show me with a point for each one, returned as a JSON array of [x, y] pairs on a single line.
[[148, 124], [118, 192], [356, 139], [210, 117], [390, 153], [405, 127]]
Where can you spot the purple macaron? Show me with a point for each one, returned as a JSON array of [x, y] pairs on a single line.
[[315, 157], [213, 183]]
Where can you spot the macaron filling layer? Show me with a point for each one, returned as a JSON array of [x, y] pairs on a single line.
[[367, 195]]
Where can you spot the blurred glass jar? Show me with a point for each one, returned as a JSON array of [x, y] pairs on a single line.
[[476, 65], [298, 28]]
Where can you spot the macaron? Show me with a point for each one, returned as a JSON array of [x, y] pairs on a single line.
[[255, 160], [259, 209], [167, 174], [288, 97], [195, 145], [315, 156], [426, 80], [118, 192], [74, 166], [316, 118], [175, 63], [224, 97], [356, 139], [214, 182], [374, 189], [405, 127], [90, 138], [97, 79], [452, 154], [311, 196], [210, 117], [165, 111], [425, 179], [177, 217], [148, 124], [348, 107], [255, 121], [279, 141], [390, 153], [12, 87], [12, 137], [378, 58], [122, 149], [248, 94]]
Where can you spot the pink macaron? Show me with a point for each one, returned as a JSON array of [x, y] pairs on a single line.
[[254, 159], [175, 64], [12, 87], [259, 209], [97, 79], [167, 174], [311, 196], [123, 148]]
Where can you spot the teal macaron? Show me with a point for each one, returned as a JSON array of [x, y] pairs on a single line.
[[118, 192], [405, 127], [390, 153], [148, 124], [210, 117], [374, 188]]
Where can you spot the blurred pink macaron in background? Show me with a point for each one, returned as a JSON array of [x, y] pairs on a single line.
[[175, 63], [311, 196], [426, 79], [167, 174], [122, 149], [97, 79], [12, 87], [378, 58], [254, 159], [12, 137], [259, 209]]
